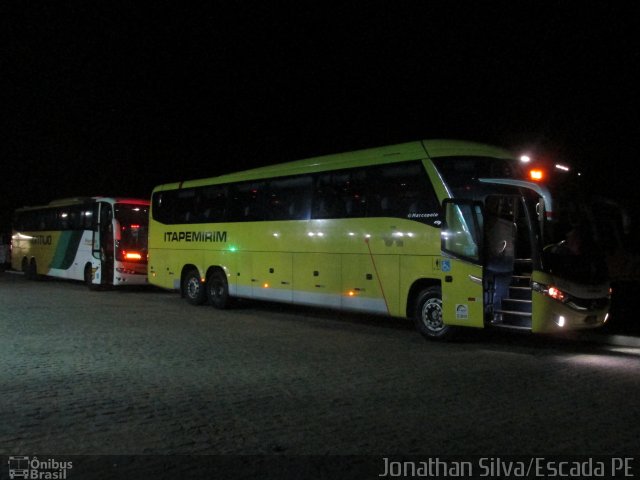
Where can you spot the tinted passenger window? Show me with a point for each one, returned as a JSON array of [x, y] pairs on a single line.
[[400, 190], [163, 206], [403, 190], [289, 198], [328, 201], [396, 190], [214, 203], [248, 202]]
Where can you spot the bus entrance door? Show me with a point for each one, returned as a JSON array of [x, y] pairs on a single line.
[[508, 261], [106, 243], [461, 264]]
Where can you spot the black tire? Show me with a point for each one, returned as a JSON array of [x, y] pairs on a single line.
[[32, 270], [427, 315], [25, 268], [88, 278], [192, 288], [218, 290]]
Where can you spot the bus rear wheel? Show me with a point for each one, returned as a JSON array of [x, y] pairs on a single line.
[[25, 268], [218, 290], [427, 315], [193, 288], [32, 270]]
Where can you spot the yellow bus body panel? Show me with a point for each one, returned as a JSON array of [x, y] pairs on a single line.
[[359, 264]]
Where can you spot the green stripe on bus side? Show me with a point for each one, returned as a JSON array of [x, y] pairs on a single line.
[[66, 249]]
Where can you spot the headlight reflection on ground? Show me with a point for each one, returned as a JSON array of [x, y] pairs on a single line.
[[608, 357]]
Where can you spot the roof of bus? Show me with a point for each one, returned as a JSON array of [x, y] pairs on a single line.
[[80, 200], [380, 155]]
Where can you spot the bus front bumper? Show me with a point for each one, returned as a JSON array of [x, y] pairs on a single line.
[[125, 276], [553, 316]]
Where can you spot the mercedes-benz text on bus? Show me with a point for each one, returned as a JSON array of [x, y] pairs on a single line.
[[448, 233], [100, 240]]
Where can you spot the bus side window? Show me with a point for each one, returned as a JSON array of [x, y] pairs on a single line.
[[355, 193], [289, 198], [41, 223], [339, 194], [88, 216], [49, 219], [404, 191], [186, 205], [163, 206], [76, 218], [63, 219], [236, 203], [325, 203], [247, 202], [18, 221], [214, 203]]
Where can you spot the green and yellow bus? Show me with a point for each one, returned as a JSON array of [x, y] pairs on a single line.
[[449, 233], [99, 240]]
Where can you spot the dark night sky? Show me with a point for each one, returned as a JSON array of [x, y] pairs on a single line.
[[119, 98]]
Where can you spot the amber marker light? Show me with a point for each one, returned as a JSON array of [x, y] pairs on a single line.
[[555, 293], [536, 174]]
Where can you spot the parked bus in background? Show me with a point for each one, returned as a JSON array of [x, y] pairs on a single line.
[[448, 233], [100, 240]]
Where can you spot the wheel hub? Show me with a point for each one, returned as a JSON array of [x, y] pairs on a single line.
[[432, 314], [193, 288]]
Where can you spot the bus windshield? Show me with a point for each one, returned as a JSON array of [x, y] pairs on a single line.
[[574, 246], [134, 225], [461, 174]]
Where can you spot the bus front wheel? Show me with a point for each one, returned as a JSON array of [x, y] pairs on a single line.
[[88, 277], [218, 290], [193, 288], [427, 315]]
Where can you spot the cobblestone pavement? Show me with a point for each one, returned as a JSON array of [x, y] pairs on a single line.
[[142, 372]]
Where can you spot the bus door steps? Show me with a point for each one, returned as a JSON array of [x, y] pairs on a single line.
[[512, 318], [519, 293], [507, 326], [521, 280], [524, 260], [523, 267], [516, 305], [515, 308]]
